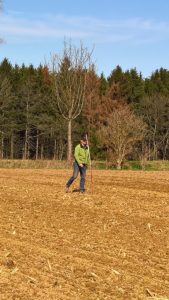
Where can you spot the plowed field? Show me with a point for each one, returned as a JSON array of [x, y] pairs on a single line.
[[109, 243]]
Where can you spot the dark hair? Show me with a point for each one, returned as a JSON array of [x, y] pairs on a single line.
[[84, 137]]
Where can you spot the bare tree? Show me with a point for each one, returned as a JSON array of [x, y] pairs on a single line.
[[70, 72], [155, 111], [122, 131]]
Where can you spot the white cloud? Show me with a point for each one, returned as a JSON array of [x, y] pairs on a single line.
[[15, 26]]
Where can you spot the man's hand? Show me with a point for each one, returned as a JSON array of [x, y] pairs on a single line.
[[81, 165]]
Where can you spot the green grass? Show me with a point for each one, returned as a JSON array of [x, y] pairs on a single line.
[[97, 165], [33, 164], [158, 165]]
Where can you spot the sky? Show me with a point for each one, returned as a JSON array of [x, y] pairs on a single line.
[[129, 33]]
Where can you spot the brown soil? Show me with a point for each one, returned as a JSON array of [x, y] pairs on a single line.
[[109, 243]]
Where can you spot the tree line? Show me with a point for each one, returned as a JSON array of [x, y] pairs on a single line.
[[125, 115]]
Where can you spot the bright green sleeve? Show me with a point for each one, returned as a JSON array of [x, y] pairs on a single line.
[[88, 157], [76, 154]]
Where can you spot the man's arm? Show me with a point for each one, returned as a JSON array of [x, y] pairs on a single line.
[[76, 155]]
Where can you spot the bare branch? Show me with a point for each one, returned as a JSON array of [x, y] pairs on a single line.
[[122, 131], [69, 73]]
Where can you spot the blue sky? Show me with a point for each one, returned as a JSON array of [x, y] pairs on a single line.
[[129, 33]]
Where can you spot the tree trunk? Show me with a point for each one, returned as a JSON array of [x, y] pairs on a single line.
[[69, 139], [119, 164], [165, 149], [60, 156], [25, 151], [41, 152], [149, 150], [12, 147], [55, 150], [37, 145], [2, 147], [154, 144]]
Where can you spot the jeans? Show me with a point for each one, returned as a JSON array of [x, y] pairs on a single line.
[[76, 170]]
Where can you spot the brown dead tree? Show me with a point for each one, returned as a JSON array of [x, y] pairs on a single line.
[[122, 131]]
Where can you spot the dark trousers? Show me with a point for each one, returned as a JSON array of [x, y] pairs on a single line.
[[76, 170]]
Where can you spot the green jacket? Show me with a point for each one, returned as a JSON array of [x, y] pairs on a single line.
[[81, 155]]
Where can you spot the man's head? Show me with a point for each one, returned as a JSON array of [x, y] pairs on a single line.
[[83, 140]]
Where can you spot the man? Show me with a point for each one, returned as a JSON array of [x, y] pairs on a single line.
[[81, 161]]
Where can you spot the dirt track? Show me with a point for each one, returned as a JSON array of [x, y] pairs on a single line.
[[109, 244]]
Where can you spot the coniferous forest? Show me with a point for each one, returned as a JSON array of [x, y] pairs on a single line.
[[125, 115]]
